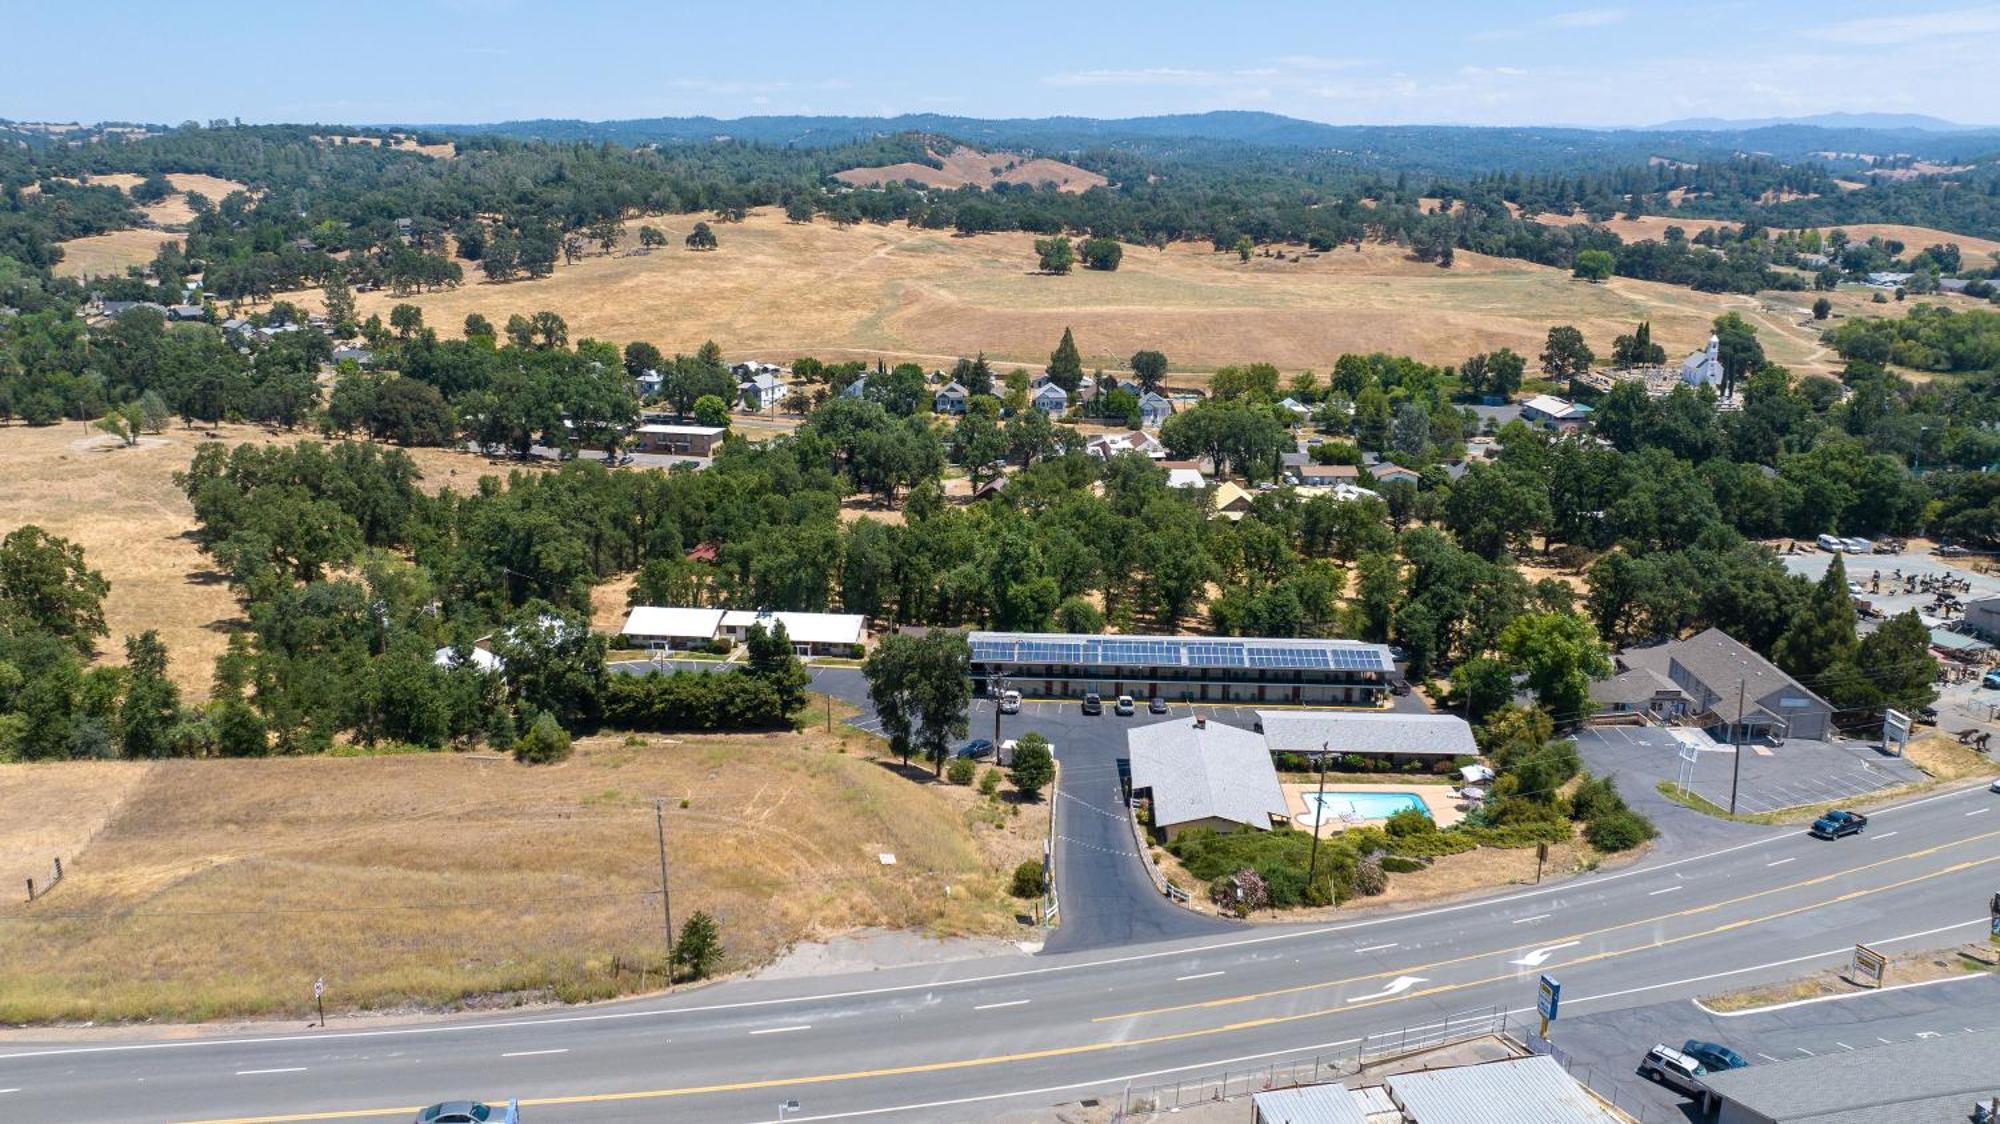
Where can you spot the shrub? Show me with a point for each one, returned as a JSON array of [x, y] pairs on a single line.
[[989, 782], [1368, 879], [961, 770], [1240, 893], [1034, 765], [1410, 821], [1595, 798], [1028, 881], [545, 742], [1402, 864], [1619, 831], [699, 948]]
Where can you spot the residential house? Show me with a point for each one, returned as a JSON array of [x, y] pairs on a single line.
[[1231, 501], [1186, 478], [1327, 475], [1814, 261], [1107, 445], [1386, 473], [480, 658], [1154, 409], [1885, 279], [951, 398], [1550, 412], [856, 389], [811, 634], [359, 356], [761, 392], [1197, 773], [186, 312], [1298, 409], [649, 383], [678, 440], [1051, 400], [1725, 688]]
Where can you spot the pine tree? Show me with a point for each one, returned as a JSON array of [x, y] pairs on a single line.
[[1066, 364], [1821, 636], [699, 948]]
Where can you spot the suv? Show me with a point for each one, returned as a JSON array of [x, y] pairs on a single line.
[[1124, 706], [1674, 1069], [1010, 702], [1835, 824], [1093, 704], [1156, 705], [1713, 1057]]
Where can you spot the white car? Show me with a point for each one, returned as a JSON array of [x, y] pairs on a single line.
[[1832, 543], [1010, 702], [1858, 546]]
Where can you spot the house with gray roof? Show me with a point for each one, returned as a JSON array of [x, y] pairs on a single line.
[[761, 392], [1052, 400], [1154, 409], [951, 398], [1730, 691], [1198, 773], [1935, 1080], [1396, 736]]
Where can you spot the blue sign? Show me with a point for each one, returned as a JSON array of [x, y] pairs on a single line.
[[1548, 997]]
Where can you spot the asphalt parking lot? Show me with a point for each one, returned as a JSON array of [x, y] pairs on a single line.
[[1603, 1050], [1798, 773]]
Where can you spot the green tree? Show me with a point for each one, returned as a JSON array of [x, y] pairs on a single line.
[[1034, 765], [698, 950], [1244, 247], [1595, 265], [711, 410], [407, 320], [152, 703], [1638, 349], [45, 586], [921, 688], [1559, 654], [771, 659], [1101, 253], [1821, 635], [1066, 363], [1822, 308], [1149, 369], [544, 743], [1737, 350], [1056, 254], [1565, 355], [701, 237]]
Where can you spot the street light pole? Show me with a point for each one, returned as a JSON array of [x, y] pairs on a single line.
[[666, 896], [1319, 820], [1736, 740]]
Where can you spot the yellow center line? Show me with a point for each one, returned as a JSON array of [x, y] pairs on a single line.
[[1101, 1047], [1408, 969]]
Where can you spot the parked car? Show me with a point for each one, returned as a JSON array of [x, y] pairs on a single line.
[[1400, 687], [1156, 705], [1010, 702], [1952, 550], [1991, 679], [978, 749], [1832, 544], [1125, 706], [1837, 823], [1713, 1057], [1858, 546], [1674, 1069], [1092, 704]]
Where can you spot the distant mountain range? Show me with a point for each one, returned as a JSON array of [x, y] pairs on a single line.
[[1920, 122]]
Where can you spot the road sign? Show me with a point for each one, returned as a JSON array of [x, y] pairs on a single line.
[[1869, 964], [319, 987], [1548, 998], [1895, 730]]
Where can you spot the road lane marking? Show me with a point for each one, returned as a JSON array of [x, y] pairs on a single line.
[[1666, 890], [1766, 1056], [1885, 835], [1806, 1052], [1782, 862], [534, 1053], [14, 1090], [991, 977], [1397, 986], [283, 1069], [1008, 1003], [1541, 955], [1377, 947], [1536, 917], [1196, 976], [783, 1029], [1843, 1045], [1978, 811]]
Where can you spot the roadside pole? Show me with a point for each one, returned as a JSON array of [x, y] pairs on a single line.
[[666, 896], [1319, 820], [1736, 740], [319, 998]]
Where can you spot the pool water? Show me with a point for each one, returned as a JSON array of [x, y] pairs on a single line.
[[1361, 805]]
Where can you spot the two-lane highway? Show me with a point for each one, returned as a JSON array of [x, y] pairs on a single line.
[[960, 1041]]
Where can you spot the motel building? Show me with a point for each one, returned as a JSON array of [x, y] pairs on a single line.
[[1183, 668]]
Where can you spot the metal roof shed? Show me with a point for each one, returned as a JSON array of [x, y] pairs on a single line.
[[1307, 1104], [1534, 1088]]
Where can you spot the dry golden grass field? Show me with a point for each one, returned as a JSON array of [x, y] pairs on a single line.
[[210, 889], [775, 290], [109, 254], [121, 505], [968, 166]]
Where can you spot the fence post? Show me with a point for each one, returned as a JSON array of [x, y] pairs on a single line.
[[58, 877], [31, 889]]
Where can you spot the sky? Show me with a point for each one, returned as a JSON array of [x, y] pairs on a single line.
[[1420, 62]]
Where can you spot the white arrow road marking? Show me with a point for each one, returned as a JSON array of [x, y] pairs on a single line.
[[1541, 956], [1396, 986]]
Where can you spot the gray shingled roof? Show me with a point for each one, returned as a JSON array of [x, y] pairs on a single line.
[[1924, 1081], [1197, 773], [1718, 661], [1537, 1088], [1639, 685], [1304, 731]]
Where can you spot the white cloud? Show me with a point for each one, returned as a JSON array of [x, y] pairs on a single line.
[[1881, 30], [1588, 17]]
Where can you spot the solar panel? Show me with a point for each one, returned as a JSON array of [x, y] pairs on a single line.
[[1178, 651], [1213, 654]]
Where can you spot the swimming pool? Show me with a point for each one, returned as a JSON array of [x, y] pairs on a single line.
[[1361, 805]]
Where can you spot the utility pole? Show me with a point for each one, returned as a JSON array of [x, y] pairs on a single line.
[[1736, 740], [1319, 820], [999, 689], [666, 897]]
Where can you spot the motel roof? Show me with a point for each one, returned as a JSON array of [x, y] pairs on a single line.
[[1205, 770]]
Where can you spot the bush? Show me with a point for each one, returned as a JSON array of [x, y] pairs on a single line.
[[1410, 821], [1241, 892], [1034, 765], [1368, 879], [1595, 798], [693, 700], [545, 742], [961, 770], [699, 948], [1619, 831], [1028, 881], [989, 782], [1402, 864]]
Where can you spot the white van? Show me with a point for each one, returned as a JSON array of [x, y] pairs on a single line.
[[1010, 702], [1833, 544]]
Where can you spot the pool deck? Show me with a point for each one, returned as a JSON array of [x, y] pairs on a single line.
[[1437, 797]]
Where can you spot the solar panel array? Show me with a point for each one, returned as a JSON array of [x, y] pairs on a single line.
[[1175, 651]]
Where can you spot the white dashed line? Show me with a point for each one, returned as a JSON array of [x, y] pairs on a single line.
[[534, 1053], [1843, 1045], [781, 1029], [1782, 862], [1196, 976], [1766, 1056], [1377, 947], [1657, 893], [1885, 835], [1536, 917], [1978, 811], [1806, 1052], [255, 1072], [1008, 1003]]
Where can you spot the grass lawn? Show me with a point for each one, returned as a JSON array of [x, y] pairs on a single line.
[[211, 889]]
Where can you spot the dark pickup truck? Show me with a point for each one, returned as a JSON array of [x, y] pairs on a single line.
[[1833, 825]]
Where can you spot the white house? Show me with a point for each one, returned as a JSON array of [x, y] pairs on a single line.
[[1703, 368], [1186, 478], [761, 392], [811, 634], [1550, 412], [655, 626], [1052, 400], [856, 389], [951, 398], [1154, 409]]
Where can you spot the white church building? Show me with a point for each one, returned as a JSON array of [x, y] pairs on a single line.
[[1704, 368]]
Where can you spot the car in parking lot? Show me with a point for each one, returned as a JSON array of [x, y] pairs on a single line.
[[1837, 823], [1674, 1069], [1156, 705], [1093, 703], [1832, 543], [1010, 702], [1713, 1057], [1124, 706], [1399, 687], [978, 749], [1990, 680]]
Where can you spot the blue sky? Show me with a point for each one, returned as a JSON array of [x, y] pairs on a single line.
[[1420, 61]]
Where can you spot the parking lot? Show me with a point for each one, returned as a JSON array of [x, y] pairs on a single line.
[[1603, 1049], [1798, 773]]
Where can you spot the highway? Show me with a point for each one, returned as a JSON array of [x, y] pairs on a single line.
[[971, 1039]]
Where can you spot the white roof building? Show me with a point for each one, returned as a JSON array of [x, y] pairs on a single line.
[[802, 628], [655, 622], [1369, 735], [1703, 368], [1205, 773], [1186, 478], [480, 658]]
